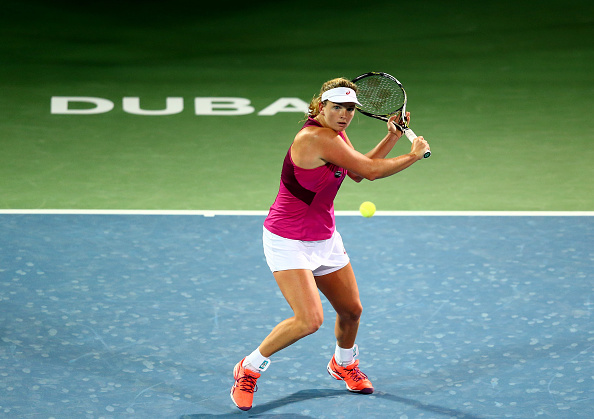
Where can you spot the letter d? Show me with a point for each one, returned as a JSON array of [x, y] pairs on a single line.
[[59, 105]]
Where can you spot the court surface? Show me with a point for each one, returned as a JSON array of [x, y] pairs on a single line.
[[144, 316]]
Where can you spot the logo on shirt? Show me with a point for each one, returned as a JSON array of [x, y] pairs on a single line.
[[337, 174]]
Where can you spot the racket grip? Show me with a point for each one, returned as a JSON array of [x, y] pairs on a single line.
[[411, 136]]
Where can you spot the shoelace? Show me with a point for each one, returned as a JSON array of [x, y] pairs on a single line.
[[247, 383], [356, 374]]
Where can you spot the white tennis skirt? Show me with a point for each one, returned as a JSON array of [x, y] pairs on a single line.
[[321, 257]]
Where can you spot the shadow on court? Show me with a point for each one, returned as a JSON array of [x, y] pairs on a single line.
[[307, 395]]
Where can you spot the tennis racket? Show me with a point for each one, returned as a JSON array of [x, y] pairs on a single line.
[[382, 96]]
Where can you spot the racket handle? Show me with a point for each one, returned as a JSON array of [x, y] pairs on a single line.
[[411, 136]]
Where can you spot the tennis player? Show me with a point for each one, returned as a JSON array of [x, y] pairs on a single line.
[[302, 246]]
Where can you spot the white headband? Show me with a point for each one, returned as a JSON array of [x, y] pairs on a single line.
[[340, 95]]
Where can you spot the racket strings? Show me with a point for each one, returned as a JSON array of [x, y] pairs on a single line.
[[379, 95]]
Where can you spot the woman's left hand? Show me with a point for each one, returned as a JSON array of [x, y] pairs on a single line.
[[394, 119]]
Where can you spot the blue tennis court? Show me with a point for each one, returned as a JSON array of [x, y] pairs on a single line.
[[144, 316]]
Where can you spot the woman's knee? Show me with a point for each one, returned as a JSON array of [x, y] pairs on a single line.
[[352, 313], [311, 323]]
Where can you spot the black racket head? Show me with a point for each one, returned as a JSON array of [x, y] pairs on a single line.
[[380, 94]]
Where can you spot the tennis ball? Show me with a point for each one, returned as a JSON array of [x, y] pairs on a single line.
[[367, 209]]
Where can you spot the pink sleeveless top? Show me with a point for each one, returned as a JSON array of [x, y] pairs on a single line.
[[304, 206]]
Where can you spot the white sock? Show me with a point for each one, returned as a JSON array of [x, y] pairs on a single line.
[[256, 361], [345, 357]]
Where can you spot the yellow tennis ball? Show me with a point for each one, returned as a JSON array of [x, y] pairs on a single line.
[[367, 209]]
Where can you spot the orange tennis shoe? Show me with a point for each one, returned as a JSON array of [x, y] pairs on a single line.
[[354, 379], [242, 392]]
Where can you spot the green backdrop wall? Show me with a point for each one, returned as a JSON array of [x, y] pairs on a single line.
[[502, 91]]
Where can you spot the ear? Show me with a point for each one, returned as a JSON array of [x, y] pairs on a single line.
[[321, 107]]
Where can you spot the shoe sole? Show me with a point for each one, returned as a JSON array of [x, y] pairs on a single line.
[[238, 406], [367, 390]]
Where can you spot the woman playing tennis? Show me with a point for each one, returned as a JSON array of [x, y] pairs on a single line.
[[302, 246]]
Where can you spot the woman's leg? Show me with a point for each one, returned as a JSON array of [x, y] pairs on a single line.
[[340, 288], [299, 289]]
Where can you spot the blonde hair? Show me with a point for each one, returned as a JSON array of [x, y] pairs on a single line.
[[314, 105]]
